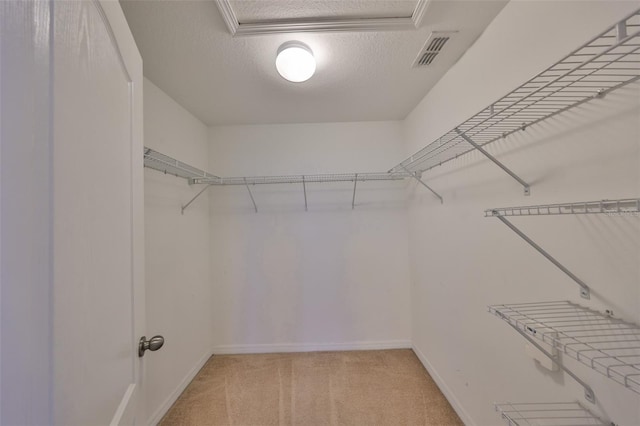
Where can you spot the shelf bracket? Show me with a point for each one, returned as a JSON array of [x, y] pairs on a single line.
[[353, 199], [588, 392], [251, 195], [527, 189], [194, 198], [415, 176], [584, 289], [304, 189], [621, 31]]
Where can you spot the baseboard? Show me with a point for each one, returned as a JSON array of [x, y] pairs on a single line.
[[162, 410], [446, 391], [310, 347]]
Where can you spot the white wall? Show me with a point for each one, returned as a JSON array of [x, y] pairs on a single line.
[[329, 278], [179, 298], [461, 262], [25, 212]]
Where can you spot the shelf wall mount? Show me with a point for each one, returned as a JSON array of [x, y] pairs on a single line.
[[527, 188], [418, 178], [585, 292], [255, 207], [184, 207], [589, 395]]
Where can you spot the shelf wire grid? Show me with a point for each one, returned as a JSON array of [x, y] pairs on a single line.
[[166, 164], [605, 344], [312, 178], [547, 414], [605, 63], [163, 163], [621, 207]]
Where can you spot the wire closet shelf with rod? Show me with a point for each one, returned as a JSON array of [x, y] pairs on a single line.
[[608, 345], [605, 63], [548, 414], [168, 165]]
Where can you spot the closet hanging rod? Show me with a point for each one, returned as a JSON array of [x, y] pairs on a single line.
[[607, 62]]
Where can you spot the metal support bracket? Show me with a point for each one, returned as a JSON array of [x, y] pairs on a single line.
[[255, 207], [416, 177], [527, 189], [588, 392], [621, 31], [584, 289], [304, 189], [353, 199], [194, 198]]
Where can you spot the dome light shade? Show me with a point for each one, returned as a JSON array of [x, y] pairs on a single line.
[[295, 62]]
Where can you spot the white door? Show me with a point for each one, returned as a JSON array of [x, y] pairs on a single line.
[[98, 265]]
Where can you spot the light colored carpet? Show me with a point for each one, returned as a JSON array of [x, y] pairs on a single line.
[[389, 387]]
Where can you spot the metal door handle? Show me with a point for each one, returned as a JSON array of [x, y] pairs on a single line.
[[153, 344]]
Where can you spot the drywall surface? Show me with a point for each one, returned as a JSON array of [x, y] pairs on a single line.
[[177, 255], [332, 277], [25, 212], [462, 262]]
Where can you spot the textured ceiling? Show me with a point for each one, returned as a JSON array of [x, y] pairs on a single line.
[[361, 76], [249, 11]]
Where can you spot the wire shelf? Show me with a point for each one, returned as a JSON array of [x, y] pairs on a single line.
[[606, 344], [547, 414], [168, 165], [164, 163], [610, 207], [605, 63], [313, 178]]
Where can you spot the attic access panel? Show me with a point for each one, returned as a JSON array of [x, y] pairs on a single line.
[[261, 11]]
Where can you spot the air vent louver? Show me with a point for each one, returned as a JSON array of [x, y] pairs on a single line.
[[432, 48]]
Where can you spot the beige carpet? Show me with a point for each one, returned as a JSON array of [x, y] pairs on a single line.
[[388, 387]]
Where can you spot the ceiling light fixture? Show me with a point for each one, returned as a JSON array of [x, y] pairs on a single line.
[[295, 62]]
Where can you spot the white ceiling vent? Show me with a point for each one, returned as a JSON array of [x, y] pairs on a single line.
[[432, 48]]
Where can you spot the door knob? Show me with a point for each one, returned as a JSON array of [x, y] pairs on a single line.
[[152, 344]]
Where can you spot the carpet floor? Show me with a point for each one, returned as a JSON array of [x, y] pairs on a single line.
[[388, 387]]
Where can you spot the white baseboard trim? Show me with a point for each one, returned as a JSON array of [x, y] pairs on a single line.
[[309, 347], [447, 392], [171, 399]]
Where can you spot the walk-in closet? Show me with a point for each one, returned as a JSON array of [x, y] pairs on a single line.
[[320, 212]]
